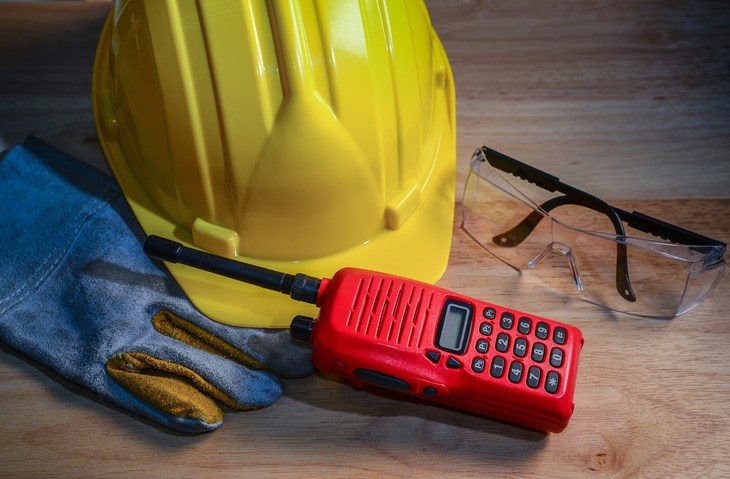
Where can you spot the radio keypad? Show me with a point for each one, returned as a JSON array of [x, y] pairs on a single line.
[[527, 340]]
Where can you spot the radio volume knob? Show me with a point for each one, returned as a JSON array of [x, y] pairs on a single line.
[[301, 327]]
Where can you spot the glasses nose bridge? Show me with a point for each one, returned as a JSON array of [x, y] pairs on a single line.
[[562, 241]]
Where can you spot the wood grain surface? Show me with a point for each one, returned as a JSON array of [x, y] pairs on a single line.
[[628, 100]]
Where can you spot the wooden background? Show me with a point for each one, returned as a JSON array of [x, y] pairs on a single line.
[[628, 100]]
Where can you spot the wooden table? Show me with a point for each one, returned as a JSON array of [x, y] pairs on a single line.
[[628, 100]]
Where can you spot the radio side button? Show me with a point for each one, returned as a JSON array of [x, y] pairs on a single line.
[[382, 380], [430, 391]]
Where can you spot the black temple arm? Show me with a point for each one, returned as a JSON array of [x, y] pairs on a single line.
[[664, 230], [521, 170]]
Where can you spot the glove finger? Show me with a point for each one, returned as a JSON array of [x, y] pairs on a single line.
[[175, 327], [176, 389], [241, 387], [267, 350]]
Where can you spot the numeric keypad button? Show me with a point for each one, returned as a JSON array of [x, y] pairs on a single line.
[[542, 330], [520, 348], [538, 352], [485, 328], [533, 377], [524, 325], [560, 335], [497, 369], [556, 357], [502, 342], [478, 364], [552, 382], [507, 320], [515, 372]]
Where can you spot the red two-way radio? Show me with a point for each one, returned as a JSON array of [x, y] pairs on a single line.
[[422, 340]]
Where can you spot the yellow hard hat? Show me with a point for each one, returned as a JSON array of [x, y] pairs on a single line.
[[301, 136]]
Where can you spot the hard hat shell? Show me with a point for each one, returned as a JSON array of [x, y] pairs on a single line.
[[301, 136]]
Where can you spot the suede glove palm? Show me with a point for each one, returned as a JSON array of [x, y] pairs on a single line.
[[78, 295]]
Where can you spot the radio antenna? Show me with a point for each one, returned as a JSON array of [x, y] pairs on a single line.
[[300, 287]]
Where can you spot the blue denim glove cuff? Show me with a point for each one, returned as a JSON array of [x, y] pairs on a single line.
[[76, 290]]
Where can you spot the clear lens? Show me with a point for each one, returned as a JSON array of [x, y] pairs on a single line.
[[702, 281], [510, 222]]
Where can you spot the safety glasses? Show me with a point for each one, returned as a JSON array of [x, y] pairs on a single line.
[[530, 220]]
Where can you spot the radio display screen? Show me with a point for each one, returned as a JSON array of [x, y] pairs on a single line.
[[454, 326]]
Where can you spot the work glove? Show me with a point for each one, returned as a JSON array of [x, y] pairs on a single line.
[[78, 295]]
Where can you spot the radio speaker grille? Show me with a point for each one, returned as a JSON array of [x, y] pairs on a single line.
[[390, 310]]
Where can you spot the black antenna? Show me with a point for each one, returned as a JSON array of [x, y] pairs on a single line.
[[300, 287]]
